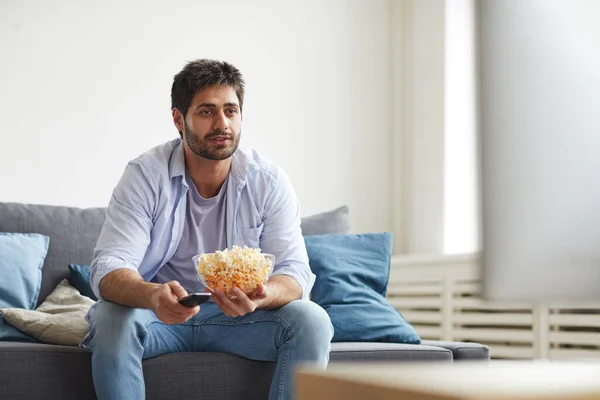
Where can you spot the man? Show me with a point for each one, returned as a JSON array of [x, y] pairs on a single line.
[[198, 194]]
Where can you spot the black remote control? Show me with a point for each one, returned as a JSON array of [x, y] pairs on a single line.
[[194, 299]]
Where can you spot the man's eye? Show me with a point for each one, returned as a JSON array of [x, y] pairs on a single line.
[[232, 111], [205, 112]]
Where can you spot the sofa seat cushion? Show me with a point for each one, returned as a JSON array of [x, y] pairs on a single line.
[[462, 350], [361, 351], [44, 371], [65, 373], [219, 375]]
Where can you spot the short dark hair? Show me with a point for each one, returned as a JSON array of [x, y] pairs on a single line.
[[200, 74]]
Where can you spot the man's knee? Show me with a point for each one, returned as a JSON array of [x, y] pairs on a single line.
[[113, 322], [309, 319]]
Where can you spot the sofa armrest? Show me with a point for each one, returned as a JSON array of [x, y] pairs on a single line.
[[462, 350]]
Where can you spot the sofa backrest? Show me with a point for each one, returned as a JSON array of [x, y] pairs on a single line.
[[73, 234]]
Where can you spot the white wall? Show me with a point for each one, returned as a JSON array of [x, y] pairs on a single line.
[[434, 207], [461, 205], [85, 86], [418, 125]]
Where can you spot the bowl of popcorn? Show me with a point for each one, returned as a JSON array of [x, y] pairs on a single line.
[[242, 267]]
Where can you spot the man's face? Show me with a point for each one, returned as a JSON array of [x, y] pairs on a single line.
[[212, 127]]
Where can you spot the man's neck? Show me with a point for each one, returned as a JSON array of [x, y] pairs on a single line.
[[208, 175]]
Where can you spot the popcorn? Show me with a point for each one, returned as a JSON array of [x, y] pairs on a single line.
[[245, 268]]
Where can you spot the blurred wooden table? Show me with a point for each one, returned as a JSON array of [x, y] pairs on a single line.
[[499, 380]]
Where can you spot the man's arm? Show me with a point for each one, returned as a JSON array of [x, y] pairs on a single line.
[[281, 289], [292, 278], [127, 287], [122, 245], [125, 235]]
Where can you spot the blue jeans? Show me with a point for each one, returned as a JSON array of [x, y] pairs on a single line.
[[120, 337]]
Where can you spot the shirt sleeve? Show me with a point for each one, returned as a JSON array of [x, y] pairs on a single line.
[[125, 235], [282, 234]]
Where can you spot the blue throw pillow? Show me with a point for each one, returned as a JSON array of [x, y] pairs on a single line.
[[352, 275], [80, 277], [21, 259]]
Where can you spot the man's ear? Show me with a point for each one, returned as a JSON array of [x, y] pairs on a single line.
[[178, 119]]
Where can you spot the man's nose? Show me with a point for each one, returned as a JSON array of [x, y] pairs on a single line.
[[221, 122]]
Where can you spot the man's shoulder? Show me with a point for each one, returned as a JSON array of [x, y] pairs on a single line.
[[253, 163], [158, 158]]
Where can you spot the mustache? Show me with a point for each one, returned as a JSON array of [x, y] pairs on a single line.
[[218, 133]]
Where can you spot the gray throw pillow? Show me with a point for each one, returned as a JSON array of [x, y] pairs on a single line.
[[330, 222]]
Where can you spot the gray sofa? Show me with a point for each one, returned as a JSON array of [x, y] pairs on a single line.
[[37, 370]]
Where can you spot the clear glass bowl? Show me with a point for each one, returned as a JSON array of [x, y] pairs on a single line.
[[248, 286]]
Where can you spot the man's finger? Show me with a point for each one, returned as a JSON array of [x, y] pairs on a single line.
[[230, 305], [223, 308], [171, 316], [184, 311], [177, 289], [233, 304], [259, 293], [243, 301]]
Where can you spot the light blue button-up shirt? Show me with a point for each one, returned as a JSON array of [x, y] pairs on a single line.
[[146, 215]]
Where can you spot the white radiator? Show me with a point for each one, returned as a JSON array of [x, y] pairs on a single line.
[[438, 296]]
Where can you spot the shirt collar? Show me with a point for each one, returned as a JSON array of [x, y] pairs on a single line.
[[241, 165]]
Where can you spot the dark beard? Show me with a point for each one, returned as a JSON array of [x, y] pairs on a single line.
[[205, 149]]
